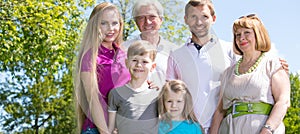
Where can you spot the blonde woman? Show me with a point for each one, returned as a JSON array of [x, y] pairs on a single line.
[[255, 92], [100, 67]]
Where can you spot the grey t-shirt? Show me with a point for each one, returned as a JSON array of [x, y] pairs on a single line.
[[136, 110]]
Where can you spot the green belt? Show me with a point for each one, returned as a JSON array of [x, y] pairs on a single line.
[[242, 108]]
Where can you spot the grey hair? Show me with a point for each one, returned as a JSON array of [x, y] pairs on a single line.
[[139, 3]]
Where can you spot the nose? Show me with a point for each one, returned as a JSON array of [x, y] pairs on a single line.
[[242, 37], [110, 27], [199, 22], [147, 20], [138, 63], [174, 104]]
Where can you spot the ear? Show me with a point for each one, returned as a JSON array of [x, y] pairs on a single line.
[[185, 19], [126, 63], [153, 66], [214, 18]]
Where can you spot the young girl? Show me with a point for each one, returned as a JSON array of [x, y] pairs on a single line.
[[100, 67], [176, 110]]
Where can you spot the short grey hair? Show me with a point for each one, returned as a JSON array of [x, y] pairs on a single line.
[[139, 3]]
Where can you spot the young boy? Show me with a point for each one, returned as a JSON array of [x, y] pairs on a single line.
[[133, 107]]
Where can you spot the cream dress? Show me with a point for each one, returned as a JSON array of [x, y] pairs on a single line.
[[250, 87]]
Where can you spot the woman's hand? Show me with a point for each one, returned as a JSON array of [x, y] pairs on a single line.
[[152, 85]]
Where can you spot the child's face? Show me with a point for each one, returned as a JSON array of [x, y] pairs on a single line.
[[174, 104], [140, 66]]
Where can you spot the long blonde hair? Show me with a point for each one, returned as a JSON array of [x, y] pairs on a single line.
[[92, 38]]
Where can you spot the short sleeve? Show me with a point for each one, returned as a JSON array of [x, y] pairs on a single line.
[[112, 101], [86, 63], [273, 65]]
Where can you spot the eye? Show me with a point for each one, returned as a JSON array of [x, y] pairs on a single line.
[[247, 32], [205, 17], [145, 62], [237, 35], [103, 23], [115, 23], [169, 101], [152, 17], [194, 17], [179, 101], [140, 18]]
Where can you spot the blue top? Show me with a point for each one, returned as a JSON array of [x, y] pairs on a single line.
[[179, 127]]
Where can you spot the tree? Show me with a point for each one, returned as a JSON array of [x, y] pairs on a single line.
[[292, 118], [38, 39]]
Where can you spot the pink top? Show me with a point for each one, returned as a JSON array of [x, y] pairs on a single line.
[[111, 73]]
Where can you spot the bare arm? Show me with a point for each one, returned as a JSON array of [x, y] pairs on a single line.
[[111, 121], [95, 108], [281, 93], [217, 118]]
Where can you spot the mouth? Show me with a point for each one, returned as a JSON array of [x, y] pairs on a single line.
[[173, 110], [138, 70], [243, 43], [148, 28], [109, 35]]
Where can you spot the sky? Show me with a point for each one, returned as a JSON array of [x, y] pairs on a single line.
[[281, 18]]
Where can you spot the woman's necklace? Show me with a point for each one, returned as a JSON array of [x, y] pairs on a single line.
[[252, 68]]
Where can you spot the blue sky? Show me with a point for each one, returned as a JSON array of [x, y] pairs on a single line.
[[281, 19]]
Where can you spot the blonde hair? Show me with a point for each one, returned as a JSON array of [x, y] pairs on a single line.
[[91, 40], [251, 21], [142, 47], [176, 86]]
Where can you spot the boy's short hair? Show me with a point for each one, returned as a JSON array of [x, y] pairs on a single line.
[[142, 47]]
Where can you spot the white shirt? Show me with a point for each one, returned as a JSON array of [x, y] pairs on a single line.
[[201, 72]]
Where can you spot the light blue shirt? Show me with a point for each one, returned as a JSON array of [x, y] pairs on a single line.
[[179, 127]]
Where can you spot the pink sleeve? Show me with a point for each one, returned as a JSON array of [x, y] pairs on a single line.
[[171, 69], [86, 64]]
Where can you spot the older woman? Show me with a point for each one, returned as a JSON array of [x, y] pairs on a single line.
[[255, 92]]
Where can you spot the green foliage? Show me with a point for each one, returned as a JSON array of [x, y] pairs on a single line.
[[38, 39], [292, 118]]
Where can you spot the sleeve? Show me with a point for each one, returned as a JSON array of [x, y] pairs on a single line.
[[86, 63], [273, 65], [171, 68], [112, 107]]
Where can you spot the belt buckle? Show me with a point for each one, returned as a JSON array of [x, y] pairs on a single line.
[[233, 108], [250, 109]]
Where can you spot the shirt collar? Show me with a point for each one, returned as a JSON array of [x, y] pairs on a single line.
[[105, 50], [212, 40]]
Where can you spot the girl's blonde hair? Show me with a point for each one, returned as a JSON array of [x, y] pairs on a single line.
[[251, 21], [176, 86], [92, 38]]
